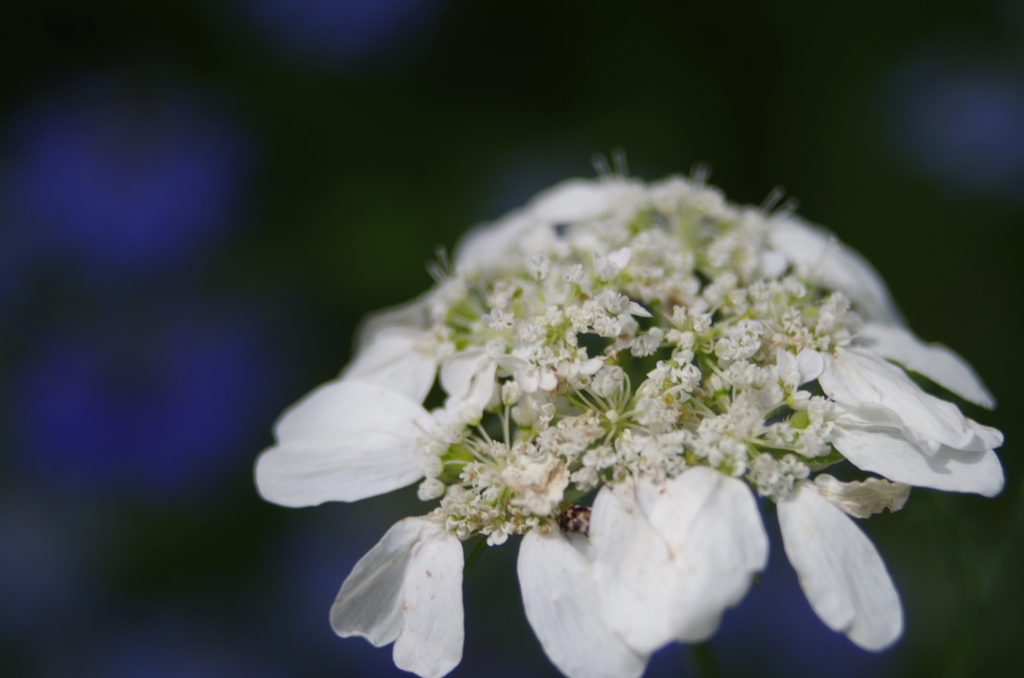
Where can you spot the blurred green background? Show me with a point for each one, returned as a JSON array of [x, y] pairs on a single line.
[[199, 200]]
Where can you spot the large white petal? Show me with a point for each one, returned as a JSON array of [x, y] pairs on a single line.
[[573, 200], [430, 642], [940, 364], [859, 377], [399, 359], [370, 601], [840, 570], [487, 247], [492, 247], [864, 437], [346, 440], [717, 541], [561, 601], [408, 589], [819, 257], [633, 569], [413, 314]]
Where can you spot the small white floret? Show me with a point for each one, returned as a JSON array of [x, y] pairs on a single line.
[[608, 268]]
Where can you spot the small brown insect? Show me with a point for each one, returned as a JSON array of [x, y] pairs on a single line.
[[575, 518]]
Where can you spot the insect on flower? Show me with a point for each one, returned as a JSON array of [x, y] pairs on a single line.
[[575, 518]]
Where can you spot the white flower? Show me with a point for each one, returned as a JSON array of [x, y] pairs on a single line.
[[655, 344]]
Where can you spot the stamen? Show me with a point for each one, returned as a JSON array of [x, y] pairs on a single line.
[[774, 196], [600, 164]]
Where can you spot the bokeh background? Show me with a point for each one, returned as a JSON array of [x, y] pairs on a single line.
[[200, 199]]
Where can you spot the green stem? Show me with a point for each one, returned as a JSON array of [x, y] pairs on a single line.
[[702, 660], [474, 553]]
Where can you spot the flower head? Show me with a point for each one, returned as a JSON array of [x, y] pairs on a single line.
[[627, 369]]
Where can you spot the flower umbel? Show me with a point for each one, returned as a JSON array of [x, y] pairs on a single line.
[[626, 369]]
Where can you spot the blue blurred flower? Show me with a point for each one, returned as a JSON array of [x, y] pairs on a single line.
[[163, 409], [177, 646], [46, 560], [120, 180], [341, 32], [960, 123]]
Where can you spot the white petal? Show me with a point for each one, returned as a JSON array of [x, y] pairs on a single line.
[[636, 309], [991, 438], [810, 364], [413, 314], [859, 377], [592, 366], [487, 246], [840, 570], [408, 589], [430, 642], [459, 370], [818, 256], [528, 379], [633, 570], [468, 379], [786, 364], [370, 601], [940, 364], [863, 498], [773, 264], [561, 601], [796, 370], [717, 541], [865, 438], [607, 268], [346, 440], [573, 200], [398, 359]]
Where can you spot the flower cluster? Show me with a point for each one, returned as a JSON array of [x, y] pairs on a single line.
[[620, 370]]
